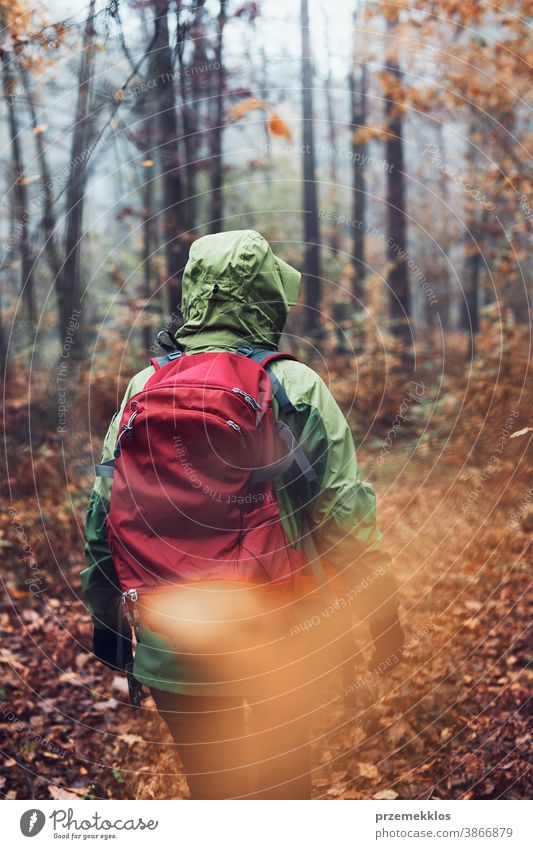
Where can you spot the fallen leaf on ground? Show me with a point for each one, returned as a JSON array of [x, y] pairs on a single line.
[[386, 794], [61, 793], [368, 770]]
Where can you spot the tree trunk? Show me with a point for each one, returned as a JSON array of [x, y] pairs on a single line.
[[167, 122], [149, 243], [199, 59], [332, 134], [68, 281], [21, 215], [189, 95], [49, 217], [470, 303], [217, 201], [475, 224], [445, 289], [332, 138], [359, 150], [264, 93], [398, 282], [310, 204], [4, 359]]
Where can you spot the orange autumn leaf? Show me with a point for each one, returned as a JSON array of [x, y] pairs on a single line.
[[278, 127], [27, 181], [16, 592], [245, 106], [365, 134]]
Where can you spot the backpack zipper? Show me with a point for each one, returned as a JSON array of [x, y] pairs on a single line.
[[136, 407], [248, 398]]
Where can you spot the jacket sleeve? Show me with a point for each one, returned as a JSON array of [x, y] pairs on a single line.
[[99, 582], [340, 508]]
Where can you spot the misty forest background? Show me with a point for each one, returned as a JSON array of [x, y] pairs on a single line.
[[384, 148]]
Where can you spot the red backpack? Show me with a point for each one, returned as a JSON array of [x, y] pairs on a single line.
[[193, 496]]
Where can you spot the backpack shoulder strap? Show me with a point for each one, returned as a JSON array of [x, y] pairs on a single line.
[[172, 351], [295, 452], [265, 358]]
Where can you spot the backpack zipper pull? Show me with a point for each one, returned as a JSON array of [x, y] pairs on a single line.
[[233, 425], [126, 429], [132, 614], [132, 595]]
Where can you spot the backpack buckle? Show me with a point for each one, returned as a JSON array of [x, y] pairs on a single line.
[[246, 350]]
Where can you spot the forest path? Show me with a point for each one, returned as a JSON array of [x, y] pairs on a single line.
[[452, 719]]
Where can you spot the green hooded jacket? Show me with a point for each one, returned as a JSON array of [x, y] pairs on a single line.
[[235, 290]]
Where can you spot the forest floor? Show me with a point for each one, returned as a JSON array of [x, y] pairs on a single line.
[[453, 721]]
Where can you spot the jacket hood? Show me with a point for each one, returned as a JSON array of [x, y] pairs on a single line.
[[235, 290]]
